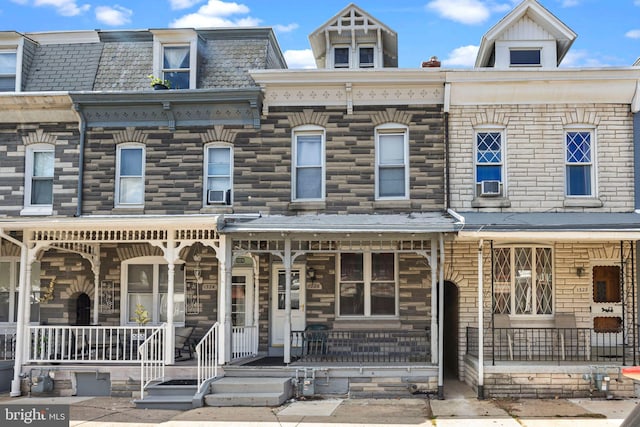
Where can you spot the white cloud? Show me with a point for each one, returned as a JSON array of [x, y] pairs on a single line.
[[116, 15], [582, 58], [64, 7], [217, 13], [286, 28], [633, 34], [464, 56], [300, 58], [466, 11], [183, 4]]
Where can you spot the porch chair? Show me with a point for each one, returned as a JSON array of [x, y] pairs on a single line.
[[565, 323], [184, 343], [502, 322]]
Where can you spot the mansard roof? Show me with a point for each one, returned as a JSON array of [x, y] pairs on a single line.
[[345, 27], [545, 24]]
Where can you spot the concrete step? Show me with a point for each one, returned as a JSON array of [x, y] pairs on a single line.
[[165, 402], [173, 388], [250, 385], [242, 399]]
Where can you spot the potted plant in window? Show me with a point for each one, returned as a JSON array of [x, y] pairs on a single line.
[[159, 84], [141, 317]]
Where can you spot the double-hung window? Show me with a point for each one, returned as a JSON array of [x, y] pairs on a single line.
[[308, 163], [219, 174], [146, 289], [392, 164], [366, 57], [176, 65], [9, 290], [367, 284], [489, 164], [523, 280], [8, 64], [341, 57], [39, 168], [579, 163], [130, 176]]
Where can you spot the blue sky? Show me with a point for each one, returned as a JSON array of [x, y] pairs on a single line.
[[608, 30]]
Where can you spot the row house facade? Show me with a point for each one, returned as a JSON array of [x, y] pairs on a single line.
[[418, 223]]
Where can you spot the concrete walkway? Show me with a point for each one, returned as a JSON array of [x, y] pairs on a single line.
[[460, 408]]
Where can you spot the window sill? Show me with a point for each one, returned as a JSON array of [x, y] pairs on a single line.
[[366, 323], [307, 206], [134, 210], [392, 204], [219, 209], [490, 202], [587, 202], [37, 210]]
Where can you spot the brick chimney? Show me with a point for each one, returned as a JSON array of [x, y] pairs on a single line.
[[433, 62]]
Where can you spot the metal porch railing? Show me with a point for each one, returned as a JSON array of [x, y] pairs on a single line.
[[7, 342], [207, 354], [243, 341], [151, 352], [358, 346]]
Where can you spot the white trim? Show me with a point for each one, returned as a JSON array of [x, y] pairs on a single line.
[[503, 156], [29, 208], [119, 148], [176, 37], [308, 130], [593, 194], [205, 169], [392, 129]]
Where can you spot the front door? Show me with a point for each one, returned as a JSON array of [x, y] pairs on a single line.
[[244, 337], [278, 285], [606, 307]]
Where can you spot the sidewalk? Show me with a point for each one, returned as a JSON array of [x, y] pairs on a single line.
[[460, 408]]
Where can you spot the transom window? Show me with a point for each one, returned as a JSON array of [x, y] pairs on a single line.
[[146, 283], [130, 176], [579, 164], [39, 170], [489, 163], [308, 164], [525, 57], [367, 284], [176, 65], [9, 287], [219, 175], [523, 280], [8, 64], [392, 166]]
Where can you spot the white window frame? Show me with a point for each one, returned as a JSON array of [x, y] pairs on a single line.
[[15, 46], [125, 146], [302, 131], [374, 64], [367, 279], [333, 57], [534, 296], [592, 163], [392, 129], [175, 37], [205, 186], [29, 208], [527, 49], [503, 164], [14, 289], [155, 262]]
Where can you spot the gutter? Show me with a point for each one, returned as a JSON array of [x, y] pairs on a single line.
[[83, 131], [447, 106]]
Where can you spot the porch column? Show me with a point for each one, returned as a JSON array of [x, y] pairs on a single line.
[[434, 302], [224, 299], [441, 318], [256, 303], [287, 300], [480, 324], [96, 293], [169, 355]]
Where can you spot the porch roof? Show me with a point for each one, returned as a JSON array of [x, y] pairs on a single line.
[[551, 225], [411, 223]]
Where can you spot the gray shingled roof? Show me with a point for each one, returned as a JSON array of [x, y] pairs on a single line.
[[64, 67], [551, 221]]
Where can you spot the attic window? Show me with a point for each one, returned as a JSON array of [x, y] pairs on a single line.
[[8, 63], [366, 57], [341, 57], [524, 57]]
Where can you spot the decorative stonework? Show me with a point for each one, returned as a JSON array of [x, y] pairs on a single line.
[[309, 117], [218, 133], [580, 116], [490, 117], [130, 135], [39, 137], [391, 115], [81, 285], [135, 251], [8, 249]]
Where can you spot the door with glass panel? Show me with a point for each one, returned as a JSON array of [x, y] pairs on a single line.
[[244, 335], [606, 309], [278, 288]]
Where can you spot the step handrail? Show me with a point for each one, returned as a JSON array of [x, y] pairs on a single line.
[[152, 356], [207, 354]]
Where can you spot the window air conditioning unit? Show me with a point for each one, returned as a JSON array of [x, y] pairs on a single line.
[[490, 188], [215, 197]]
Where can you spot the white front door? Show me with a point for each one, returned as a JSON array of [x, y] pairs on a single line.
[[243, 340], [278, 285]]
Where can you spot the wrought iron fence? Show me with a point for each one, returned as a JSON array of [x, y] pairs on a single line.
[[358, 346], [472, 341]]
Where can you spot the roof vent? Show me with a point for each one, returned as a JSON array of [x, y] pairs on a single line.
[[433, 62]]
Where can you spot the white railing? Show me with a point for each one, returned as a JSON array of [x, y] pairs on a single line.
[[207, 354], [243, 341], [7, 342], [151, 353], [87, 344]]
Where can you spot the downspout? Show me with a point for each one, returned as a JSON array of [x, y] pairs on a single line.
[[441, 319], [83, 131], [20, 324], [480, 325], [447, 184], [635, 111]]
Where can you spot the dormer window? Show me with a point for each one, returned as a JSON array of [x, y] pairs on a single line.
[[366, 55], [175, 53], [8, 62], [341, 57], [176, 66], [524, 57]]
